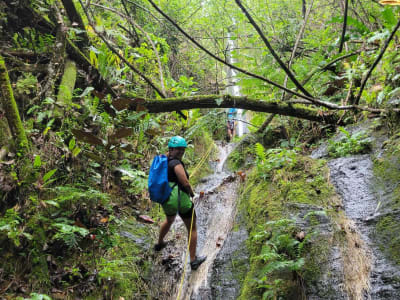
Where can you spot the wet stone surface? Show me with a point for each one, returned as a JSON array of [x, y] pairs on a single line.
[[354, 180], [230, 265]]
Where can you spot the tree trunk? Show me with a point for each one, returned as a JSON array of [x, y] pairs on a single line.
[[11, 109], [76, 20], [227, 101], [67, 85]]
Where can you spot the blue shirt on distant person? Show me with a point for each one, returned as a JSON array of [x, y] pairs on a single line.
[[232, 113]]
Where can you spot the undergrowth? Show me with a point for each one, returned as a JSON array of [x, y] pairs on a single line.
[[357, 143]]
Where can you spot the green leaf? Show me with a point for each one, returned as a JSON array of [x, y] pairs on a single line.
[[389, 17], [38, 162], [218, 101], [71, 144], [48, 175], [52, 202], [86, 92], [76, 151]]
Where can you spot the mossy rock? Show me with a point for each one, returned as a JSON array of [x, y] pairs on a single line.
[[300, 192], [387, 175]]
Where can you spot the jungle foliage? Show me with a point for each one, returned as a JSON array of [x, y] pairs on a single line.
[[79, 179]]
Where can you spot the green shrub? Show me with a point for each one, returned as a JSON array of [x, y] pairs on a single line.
[[349, 144], [271, 159], [280, 253]]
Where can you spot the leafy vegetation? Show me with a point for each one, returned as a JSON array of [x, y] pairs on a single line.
[[67, 196], [356, 143]]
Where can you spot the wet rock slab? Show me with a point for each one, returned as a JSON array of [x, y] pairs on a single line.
[[353, 179], [230, 265]]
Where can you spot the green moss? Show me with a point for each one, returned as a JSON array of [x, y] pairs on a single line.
[[11, 109], [387, 173], [67, 84], [304, 183], [316, 254], [204, 150], [4, 133], [388, 231]]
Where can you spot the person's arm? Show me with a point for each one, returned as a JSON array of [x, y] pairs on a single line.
[[183, 180]]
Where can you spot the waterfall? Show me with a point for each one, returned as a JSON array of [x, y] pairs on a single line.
[[234, 89]]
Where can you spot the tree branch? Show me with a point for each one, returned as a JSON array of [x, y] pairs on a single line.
[[226, 101], [75, 17], [364, 81], [134, 24], [132, 67], [266, 42], [346, 8], [299, 36], [56, 64]]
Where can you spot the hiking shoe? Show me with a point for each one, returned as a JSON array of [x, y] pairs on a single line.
[[197, 262], [159, 247]]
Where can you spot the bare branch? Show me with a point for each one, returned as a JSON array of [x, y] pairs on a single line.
[[266, 42], [299, 36], [346, 8], [301, 111], [133, 23], [224, 62], [364, 81]]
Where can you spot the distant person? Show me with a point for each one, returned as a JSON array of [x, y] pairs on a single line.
[[179, 200], [231, 123]]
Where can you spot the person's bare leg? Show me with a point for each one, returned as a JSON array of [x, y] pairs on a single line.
[[164, 228], [193, 236]]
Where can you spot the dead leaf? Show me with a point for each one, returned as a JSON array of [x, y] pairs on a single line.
[[98, 94], [122, 103], [300, 236], [140, 108], [104, 220], [86, 137], [146, 219], [390, 2], [79, 223], [121, 133]]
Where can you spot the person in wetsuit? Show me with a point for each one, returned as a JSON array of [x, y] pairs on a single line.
[[231, 122], [179, 201]]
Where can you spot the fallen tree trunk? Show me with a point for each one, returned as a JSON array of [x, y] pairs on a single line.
[[227, 101]]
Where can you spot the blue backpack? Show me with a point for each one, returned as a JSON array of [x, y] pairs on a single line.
[[159, 188]]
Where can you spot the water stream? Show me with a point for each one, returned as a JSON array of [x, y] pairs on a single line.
[[215, 212]]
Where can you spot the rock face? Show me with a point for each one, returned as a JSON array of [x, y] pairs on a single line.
[[328, 281], [231, 264], [366, 203]]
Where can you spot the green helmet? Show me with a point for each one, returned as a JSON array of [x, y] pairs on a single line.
[[177, 141]]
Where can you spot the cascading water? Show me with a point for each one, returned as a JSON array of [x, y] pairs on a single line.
[[215, 212], [233, 88]]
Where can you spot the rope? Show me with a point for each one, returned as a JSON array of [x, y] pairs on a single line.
[[202, 160], [186, 256]]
